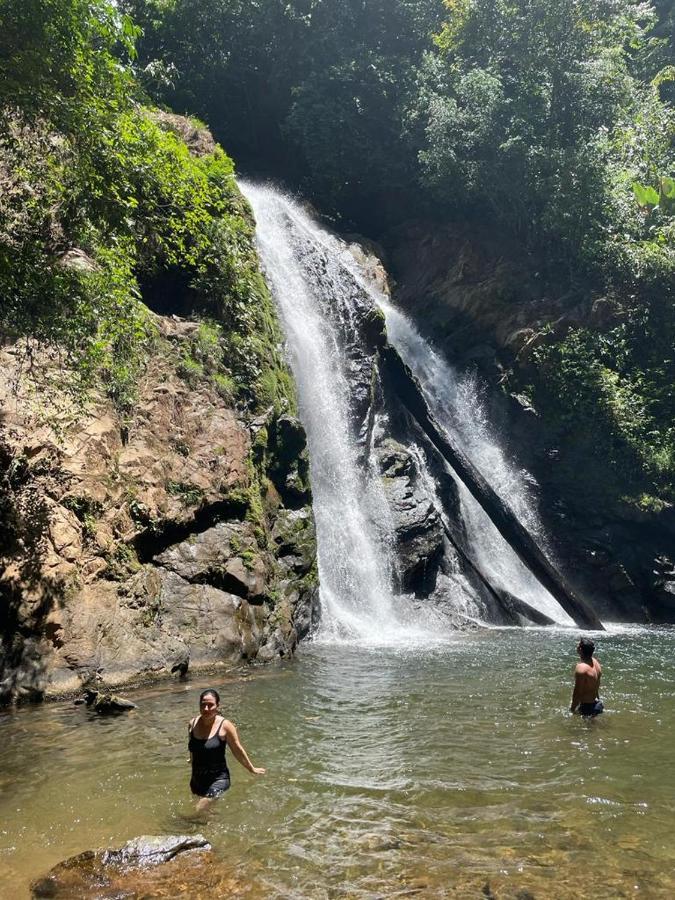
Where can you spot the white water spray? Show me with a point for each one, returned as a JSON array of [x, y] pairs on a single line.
[[458, 407], [317, 283]]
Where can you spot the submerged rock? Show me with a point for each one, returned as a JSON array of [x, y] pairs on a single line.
[[123, 872], [105, 704], [181, 665]]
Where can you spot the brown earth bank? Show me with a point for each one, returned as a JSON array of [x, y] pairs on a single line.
[[482, 303], [180, 536]]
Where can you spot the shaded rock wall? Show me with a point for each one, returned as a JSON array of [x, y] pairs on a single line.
[[484, 306], [182, 534]]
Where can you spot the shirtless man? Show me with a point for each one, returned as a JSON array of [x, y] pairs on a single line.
[[587, 681]]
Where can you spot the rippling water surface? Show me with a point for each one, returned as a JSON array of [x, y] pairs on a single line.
[[430, 772]]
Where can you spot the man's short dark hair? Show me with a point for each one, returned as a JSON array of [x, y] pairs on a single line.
[[586, 646]]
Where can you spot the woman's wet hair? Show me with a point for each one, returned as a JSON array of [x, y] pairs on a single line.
[[208, 691]]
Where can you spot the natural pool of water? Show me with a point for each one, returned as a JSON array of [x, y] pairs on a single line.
[[390, 772]]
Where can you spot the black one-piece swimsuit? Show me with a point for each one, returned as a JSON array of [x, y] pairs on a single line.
[[210, 775]]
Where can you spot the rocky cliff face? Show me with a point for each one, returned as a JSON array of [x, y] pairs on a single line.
[[181, 536], [484, 306]]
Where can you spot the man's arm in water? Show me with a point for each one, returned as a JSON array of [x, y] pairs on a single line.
[[237, 749]]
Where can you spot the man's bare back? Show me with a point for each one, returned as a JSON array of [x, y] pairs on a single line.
[[585, 697]]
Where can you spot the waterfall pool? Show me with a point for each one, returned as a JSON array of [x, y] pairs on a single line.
[[429, 771]]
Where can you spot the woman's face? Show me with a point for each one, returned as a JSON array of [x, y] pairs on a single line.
[[208, 705]]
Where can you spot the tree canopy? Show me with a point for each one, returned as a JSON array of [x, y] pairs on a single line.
[[549, 121]]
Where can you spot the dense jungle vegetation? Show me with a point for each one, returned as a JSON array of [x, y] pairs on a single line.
[[550, 121], [105, 211]]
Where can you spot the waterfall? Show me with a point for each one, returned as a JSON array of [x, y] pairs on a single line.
[[315, 294], [322, 294]]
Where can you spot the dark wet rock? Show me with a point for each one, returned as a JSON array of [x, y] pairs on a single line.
[[307, 610], [289, 463], [125, 872], [663, 607], [107, 704], [294, 537], [402, 384], [478, 302], [289, 438], [375, 328], [182, 664], [417, 525]]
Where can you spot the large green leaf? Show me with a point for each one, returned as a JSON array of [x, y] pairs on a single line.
[[645, 196]]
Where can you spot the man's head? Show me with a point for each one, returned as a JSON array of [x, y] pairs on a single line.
[[585, 648]]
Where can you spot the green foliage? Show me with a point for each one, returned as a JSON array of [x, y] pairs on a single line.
[[645, 196], [608, 392], [191, 370], [311, 89], [518, 108], [100, 198], [122, 562], [67, 61], [188, 494], [546, 119]]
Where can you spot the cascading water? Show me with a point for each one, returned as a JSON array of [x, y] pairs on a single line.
[[457, 406], [354, 553], [320, 289]]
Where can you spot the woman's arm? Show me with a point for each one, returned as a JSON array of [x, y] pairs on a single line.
[[191, 725], [235, 745]]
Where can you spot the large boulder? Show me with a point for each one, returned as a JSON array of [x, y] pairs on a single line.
[[130, 542], [226, 556], [130, 871]]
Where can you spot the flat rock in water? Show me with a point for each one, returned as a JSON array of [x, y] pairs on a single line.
[[105, 704], [141, 866]]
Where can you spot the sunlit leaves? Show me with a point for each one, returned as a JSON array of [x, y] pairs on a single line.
[[645, 196]]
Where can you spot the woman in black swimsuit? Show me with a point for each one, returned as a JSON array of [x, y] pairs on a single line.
[[209, 734]]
